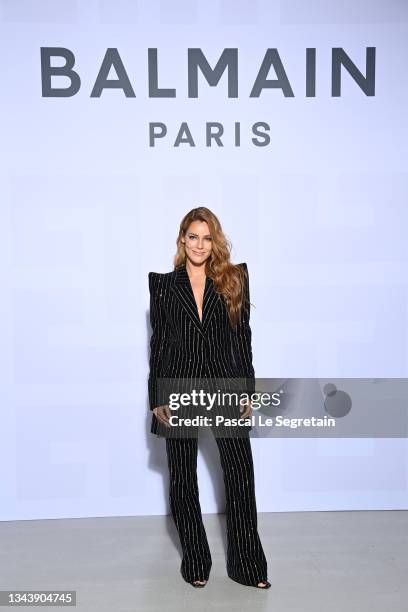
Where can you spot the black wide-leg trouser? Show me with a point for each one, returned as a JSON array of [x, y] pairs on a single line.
[[246, 561]]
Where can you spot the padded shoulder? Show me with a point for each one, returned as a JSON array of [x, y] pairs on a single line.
[[155, 278], [244, 267]]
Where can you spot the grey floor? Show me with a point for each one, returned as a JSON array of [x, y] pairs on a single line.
[[331, 561]]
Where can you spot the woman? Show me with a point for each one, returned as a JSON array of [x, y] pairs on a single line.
[[200, 322]]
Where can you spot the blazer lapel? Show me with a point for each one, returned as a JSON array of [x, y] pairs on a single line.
[[184, 292]]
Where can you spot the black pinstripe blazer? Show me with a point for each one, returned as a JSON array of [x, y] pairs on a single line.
[[182, 346]]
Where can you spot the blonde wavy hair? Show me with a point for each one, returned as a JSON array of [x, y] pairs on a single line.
[[228, 278]]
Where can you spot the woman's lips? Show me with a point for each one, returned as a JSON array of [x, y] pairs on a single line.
[[195, 253]]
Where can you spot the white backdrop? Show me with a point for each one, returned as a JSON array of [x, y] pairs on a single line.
[[88, 208]]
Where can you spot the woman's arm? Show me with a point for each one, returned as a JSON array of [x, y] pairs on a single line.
[[157, 342], [243, 338]]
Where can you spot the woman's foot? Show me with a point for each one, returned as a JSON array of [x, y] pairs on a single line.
[[264, 584], [199, 583]]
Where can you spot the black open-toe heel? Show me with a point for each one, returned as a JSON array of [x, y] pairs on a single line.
[[198, 585], [267, 583]]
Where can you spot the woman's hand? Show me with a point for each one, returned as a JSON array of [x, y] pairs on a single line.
[[163, 414], [245, 408]]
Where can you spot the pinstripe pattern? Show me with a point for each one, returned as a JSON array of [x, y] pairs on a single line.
[[246, 561], [182, 346]]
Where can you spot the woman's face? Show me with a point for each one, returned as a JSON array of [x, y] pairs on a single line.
[[197, 242]]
